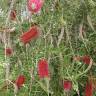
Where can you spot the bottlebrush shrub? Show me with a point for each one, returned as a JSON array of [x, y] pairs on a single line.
[[35, 5], [13, 15], [86, 59], [67, 85], [89, 89], [32, 33], [20, 81], [8, 51], [43, 69]]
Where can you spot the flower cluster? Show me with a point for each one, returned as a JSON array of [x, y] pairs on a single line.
[[8, 51], [20, 81], [67, 85], [35, 5], [43, 69], [89, 89], [32, 33]]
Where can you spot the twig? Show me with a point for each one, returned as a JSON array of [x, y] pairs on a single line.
[[8, 30], [68, 37], [60, 36]]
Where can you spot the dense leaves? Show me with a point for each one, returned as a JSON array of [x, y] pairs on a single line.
[[63, 32]]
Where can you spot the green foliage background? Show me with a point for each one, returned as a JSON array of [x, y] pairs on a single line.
[[71, 16]]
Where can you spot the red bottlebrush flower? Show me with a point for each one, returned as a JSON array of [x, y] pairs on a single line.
[[20, 81], [89, 89], [13, 15], [43, 68], [86, 59], [67, 85], [32, 33], [8, 51], [35, 5]]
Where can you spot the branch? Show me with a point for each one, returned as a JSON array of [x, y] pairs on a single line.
[[60, 36]]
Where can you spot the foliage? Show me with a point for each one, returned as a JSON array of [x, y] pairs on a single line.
[[75, 19]]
